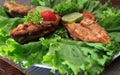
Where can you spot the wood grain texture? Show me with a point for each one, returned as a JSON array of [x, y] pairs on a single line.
[[9, 68]]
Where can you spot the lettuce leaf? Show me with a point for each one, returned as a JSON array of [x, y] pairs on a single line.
[[72, 57], [110, 20], [96, 7], [2, 12], [23, 53], [115, 36], [7, 24], [47, 3]]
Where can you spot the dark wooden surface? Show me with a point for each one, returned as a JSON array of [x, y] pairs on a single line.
[[115, 3], [18, 1], [114, 67]]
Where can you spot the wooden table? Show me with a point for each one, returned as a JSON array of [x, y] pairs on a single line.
[[114, 67]]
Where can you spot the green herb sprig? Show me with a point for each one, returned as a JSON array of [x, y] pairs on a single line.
[[34, 17]]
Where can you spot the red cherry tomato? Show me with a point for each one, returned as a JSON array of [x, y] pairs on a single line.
[[88, 15], [48, 15]]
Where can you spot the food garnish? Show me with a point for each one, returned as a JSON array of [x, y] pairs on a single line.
[[34, 17], [72, 17], [88, 15], [48, 15], [43, 8]]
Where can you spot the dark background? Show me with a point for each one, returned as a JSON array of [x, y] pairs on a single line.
[[114, 67], [115, 3]]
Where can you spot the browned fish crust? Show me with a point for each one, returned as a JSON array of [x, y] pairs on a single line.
[[16, 10], [27, 32], [87, 30]]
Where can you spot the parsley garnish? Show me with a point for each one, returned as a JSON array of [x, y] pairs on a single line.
[[34, 17]]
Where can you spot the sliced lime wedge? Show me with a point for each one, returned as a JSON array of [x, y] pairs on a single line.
[[42, 8], [72, 17]]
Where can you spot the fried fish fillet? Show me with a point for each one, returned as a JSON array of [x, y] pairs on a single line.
[[16, 10], [87, 30], [27, 32]]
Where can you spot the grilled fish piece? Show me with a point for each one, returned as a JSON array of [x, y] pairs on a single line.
[[8, 68], [16, 10], [27, 32], [87, 30]]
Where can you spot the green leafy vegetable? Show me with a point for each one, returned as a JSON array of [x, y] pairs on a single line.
[[35, 17], [96, 7], [65, 8], [2, 12], [72, 57], [7, 24], [81, 4], [110, 20], [23, 53], [3, 37], [115, 36], [61, 32], [47, 3]]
